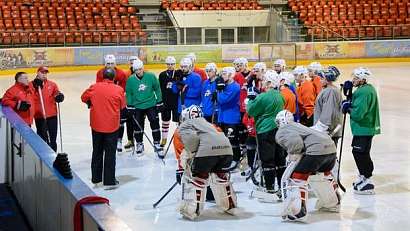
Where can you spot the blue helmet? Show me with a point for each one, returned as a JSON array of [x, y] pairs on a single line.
[[335, 70], [329, 75]]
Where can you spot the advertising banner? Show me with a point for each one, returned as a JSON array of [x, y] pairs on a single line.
[[204, 53], [232, 51], [388, 49], [95, 55], [339, 50]]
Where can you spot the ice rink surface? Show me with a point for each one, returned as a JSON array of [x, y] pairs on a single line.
[[145, 179]]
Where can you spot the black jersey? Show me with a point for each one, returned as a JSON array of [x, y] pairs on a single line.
[[166, 78]]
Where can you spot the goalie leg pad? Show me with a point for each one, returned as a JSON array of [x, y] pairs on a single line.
[[294, 206], [225, 196], [325, 189], [193, 194]]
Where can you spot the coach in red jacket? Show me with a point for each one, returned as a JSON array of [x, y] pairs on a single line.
[[45, 114], [20, 98], [106, 101]]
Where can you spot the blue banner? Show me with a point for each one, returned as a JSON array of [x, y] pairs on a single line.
[[387, 49]]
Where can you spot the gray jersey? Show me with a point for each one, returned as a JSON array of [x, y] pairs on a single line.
[[298, 139], [203, 139], [327, 109]]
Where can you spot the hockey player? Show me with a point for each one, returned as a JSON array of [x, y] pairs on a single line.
[[306, 95], [196, 69], [240, 77], [188, 86], [288, 95], [207, 153], [254, 79], [209, 94], [46, 109], [309, 152], [128, 120], [105, 100], [327, 113], [170, 98], [365, 123], [110, 63], [279, 65], [229, 116], [19, 97], [249, 123], [314, 69], [144, 99], [264, 108]]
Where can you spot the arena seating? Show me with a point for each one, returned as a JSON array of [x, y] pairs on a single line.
[[354, 18], [211, 5], [57, 22]]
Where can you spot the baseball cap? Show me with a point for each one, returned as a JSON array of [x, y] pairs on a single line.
[[43, 69]]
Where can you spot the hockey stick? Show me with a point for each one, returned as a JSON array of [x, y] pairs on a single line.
[[340, 155], [169, 190], [43, 110], [59, 125], [169, 145]]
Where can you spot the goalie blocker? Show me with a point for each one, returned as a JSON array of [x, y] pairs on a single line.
[[312, 155]]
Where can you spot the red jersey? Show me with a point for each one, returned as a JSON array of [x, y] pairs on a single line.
[[119, 79], [249, 122], [20, 92], [241, 80], [201, 73], [49, 92], [107, 99]]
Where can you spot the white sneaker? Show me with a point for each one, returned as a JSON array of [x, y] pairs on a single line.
[[365, 187]]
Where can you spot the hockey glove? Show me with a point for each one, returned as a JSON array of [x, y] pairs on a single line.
[[23, 106], [160, 107], [88, 104], [347, 89], [319, 126], [178, 175], [220, 84], [180, 85], [37, 83], [252, 93], [59, 97], [346, 105]]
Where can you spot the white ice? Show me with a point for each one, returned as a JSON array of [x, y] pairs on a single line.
[[144, 180]]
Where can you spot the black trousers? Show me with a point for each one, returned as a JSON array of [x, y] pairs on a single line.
[[313, 164], [128, 121], [168, 112], [361, 152], [251, 150], [272, 157], [231, 131], [242, 132], [103, 159], [50, 125], [308, 122], [152, 115]]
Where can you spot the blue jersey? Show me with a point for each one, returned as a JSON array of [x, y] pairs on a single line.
[[228, 104], [192, 92], [208, 88]]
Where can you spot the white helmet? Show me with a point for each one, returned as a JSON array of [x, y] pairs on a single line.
[[280, 62], [109, 59], [192, 56], [284, 117], [315, 67], [191, 112], [260, 67], [243, 61], [132, 58], [236, 61], [300, 70], [170, 60], [211, 67], [273, 78], [186, 62], [137, 64], [362, 73], [230, 71], [287, 77]]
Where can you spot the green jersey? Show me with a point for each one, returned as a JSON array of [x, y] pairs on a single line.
[[143, 93]]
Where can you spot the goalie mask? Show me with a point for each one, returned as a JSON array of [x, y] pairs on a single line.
[[284, 117], [191, 112]]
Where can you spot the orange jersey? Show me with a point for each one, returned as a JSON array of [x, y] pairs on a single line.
[[306, 98], [179, 146], [49, 92], [317, 84], [290, 99]]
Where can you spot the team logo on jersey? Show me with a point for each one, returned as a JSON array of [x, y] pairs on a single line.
[[207, 93], [142, 87], [169, 85]]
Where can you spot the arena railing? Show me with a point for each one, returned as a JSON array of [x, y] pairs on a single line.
[[46, 198]]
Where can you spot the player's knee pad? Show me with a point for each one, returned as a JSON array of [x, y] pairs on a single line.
[[335, 169], [295, 200], [325, 189], [193, 195], [224, 194]]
